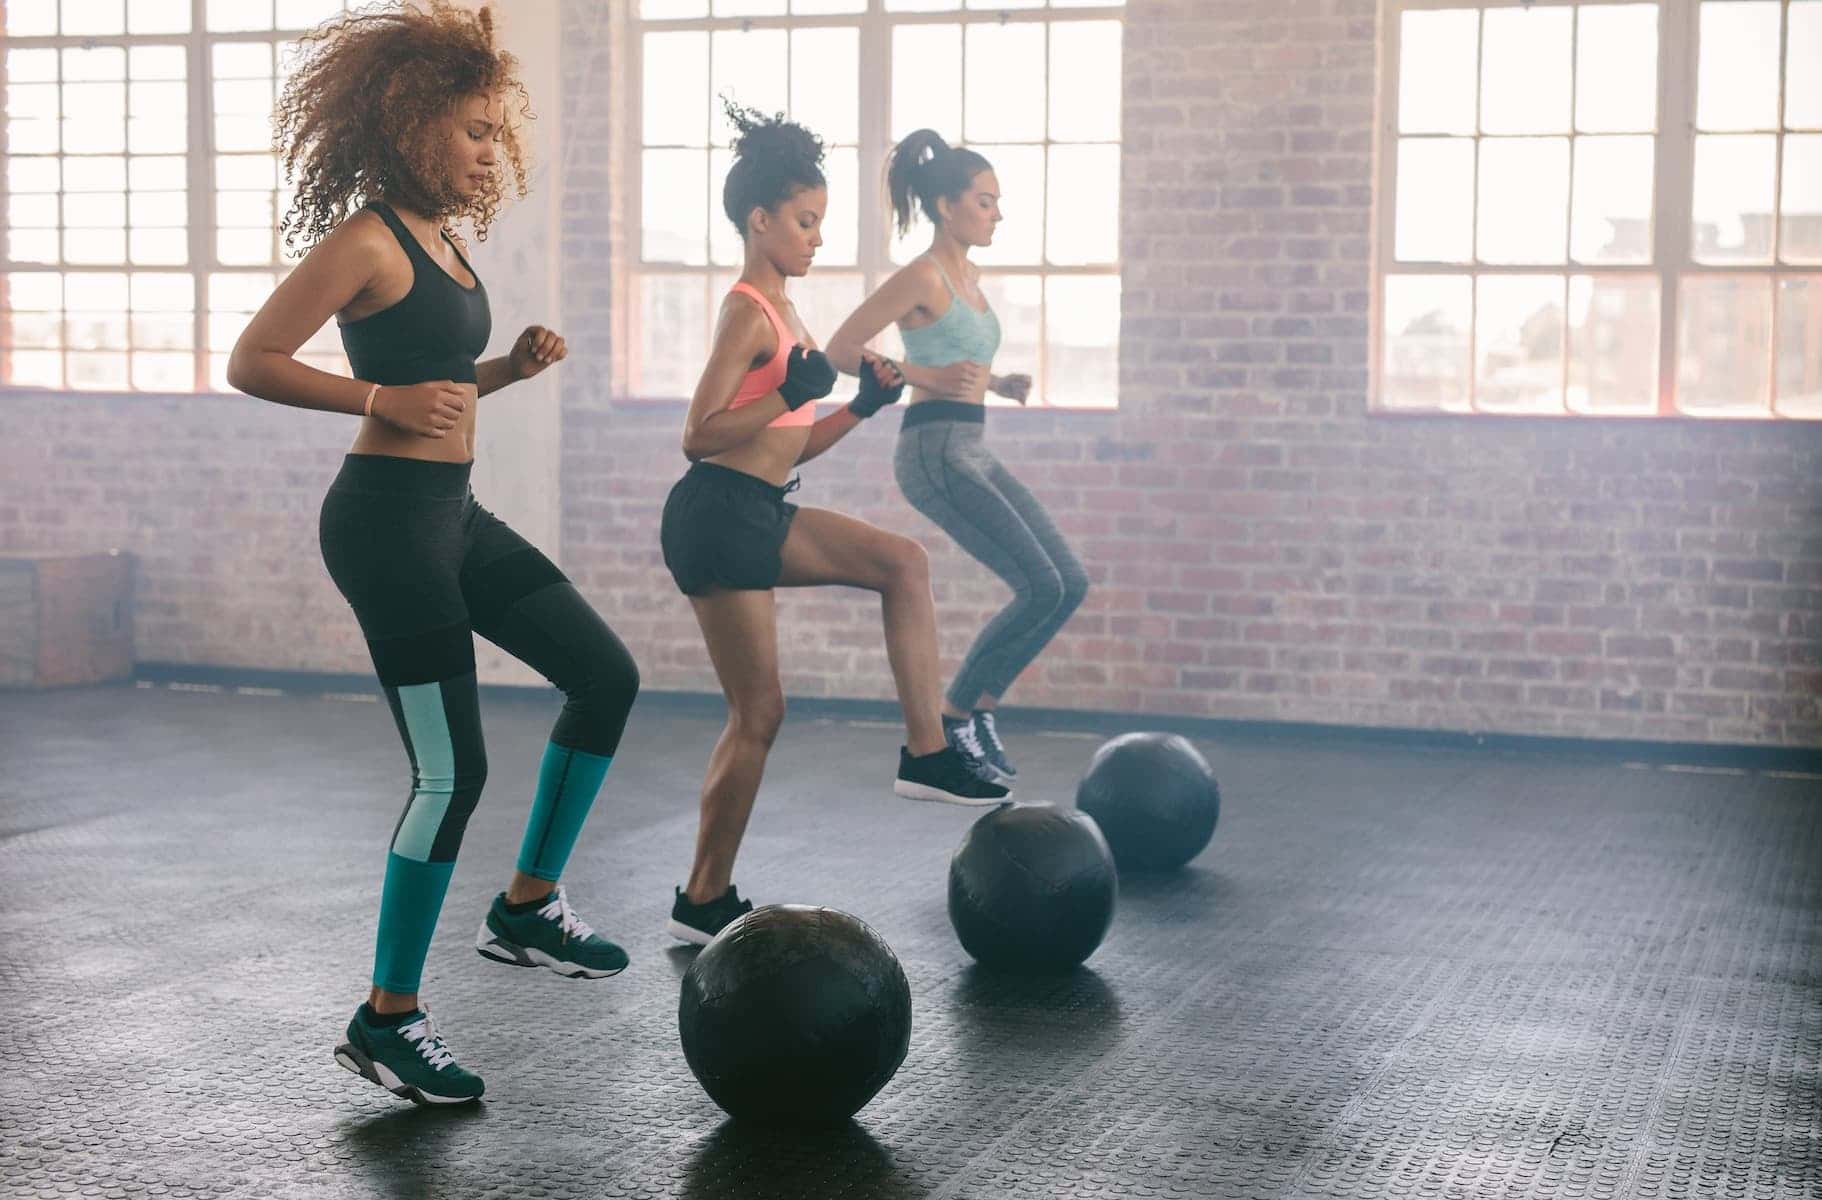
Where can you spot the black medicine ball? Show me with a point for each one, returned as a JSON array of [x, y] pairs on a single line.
[[1032, 887], [1155, 798], [795, 1015]]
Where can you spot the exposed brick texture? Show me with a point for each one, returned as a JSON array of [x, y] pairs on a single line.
[[1259, 546]]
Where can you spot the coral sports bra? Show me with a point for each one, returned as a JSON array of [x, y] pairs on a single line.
[[764, 379]]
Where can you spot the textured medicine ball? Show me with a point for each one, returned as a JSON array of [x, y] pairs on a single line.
[[1032, 888], [795, 1015], [1155, 798]]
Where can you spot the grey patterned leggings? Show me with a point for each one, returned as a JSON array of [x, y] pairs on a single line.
[[947, 473]]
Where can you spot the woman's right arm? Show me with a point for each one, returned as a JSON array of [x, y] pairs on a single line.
[[335, 271], [742, 336], [897, 298], [332, 275]]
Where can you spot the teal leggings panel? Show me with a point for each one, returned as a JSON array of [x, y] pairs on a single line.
[[409, 904], [567, 782]]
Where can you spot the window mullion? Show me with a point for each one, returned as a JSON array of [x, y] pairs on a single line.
[[875, 145], [1777, 159], [1777, 208], [1384, 201], [1565, 345], [1674, 185], [1574, 141], [629, 270], [6, 251], [63, 237], [1044, 222], [1480, 55], [710, 301], [199, 179]]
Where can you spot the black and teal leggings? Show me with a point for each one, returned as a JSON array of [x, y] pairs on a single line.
[[425, 568]]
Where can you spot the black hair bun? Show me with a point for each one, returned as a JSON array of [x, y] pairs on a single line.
[[774, 136]]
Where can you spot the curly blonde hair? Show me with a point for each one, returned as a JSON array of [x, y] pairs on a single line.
[[363, 114]]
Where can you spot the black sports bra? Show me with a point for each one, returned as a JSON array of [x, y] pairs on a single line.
[[436, 331]]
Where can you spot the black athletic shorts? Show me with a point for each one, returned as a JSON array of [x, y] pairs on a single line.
[[723, 528]]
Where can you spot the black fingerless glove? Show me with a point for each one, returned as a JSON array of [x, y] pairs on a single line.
[[873, 395], [808, 375]]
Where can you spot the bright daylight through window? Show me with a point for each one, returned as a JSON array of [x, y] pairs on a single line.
[[140, 188], [1601, 209]]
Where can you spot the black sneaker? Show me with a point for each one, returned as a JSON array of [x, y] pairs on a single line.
[[944, 776], [962, 737], [699, 923], [992, 749]]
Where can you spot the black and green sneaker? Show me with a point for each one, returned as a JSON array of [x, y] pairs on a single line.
[[547, 933], [407, 1056], [699, 923]]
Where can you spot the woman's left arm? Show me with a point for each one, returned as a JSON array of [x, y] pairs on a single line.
[[886, 384], [827, 431], [534, 350]]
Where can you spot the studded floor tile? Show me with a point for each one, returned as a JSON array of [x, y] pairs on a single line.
[[1395, 973]]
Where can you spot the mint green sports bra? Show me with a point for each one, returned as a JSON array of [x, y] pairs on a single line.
[[960, 335]]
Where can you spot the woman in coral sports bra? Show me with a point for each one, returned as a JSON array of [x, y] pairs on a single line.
[[730, 537]]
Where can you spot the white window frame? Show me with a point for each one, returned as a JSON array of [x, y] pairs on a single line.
[[873, 261], [199, 155], [1673, 159]]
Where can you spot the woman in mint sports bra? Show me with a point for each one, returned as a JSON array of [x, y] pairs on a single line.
[[730, 537], [943, 464]]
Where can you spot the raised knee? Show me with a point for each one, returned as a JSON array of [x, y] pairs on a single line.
[[611, 673], [907, 561], [603, 694], [621, 678]]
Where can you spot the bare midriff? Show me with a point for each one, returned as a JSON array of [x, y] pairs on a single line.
[[377, 437]]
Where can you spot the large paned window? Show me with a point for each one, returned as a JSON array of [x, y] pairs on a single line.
[[1601, 209], [140, 189]]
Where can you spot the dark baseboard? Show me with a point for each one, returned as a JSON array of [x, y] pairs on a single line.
[[1749, 757]]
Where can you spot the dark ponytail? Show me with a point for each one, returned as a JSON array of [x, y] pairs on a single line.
[[773, 158], [926, 168]]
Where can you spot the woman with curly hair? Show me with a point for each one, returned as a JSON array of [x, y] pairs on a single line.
[[730, 537], [413, 114], [943, 464]]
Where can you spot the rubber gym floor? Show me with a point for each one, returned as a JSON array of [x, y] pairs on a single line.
[[1397, 971]]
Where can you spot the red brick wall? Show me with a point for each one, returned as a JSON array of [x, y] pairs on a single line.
[[1260, 548], [217, 495]]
